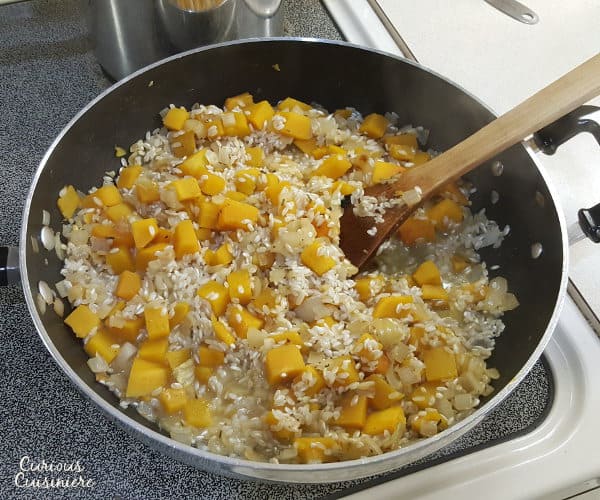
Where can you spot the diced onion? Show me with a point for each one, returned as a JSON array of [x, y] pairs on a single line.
[[97, 364], [47, 236]]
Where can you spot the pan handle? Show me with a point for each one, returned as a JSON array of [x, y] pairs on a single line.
[[550, 138], [9, 265]]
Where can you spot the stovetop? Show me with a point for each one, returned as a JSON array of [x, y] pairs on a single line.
[[48, 72]]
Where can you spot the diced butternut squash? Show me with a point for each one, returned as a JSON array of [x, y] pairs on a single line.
[[176, 358], [291, 104], [173, 400], [129, 330], [383, 170], [241, 100], [123, 238], [307, 146], [283, 363], [68, 201], [382, 365], [180, 311], [346, 371], [369, 286], [259, 114], [288, 336], [392, 306], [294, 125], [236, 215], [440, 364], [256, 156], [451, 190], [222, 256], [154, 350], [427, 273], [143, 231], [343, 187], [210, 357], [195, 164], [109, 195], [185, 241], [204, 234], [414, 229], [415, 336], [157, 322], [119, 260], [374, 125], [266, 298], [354, 412], [103, 343], [209, 215], [429, 415], [424, 395], [241, 320], [315, 257], [310, 381], [82, 320], [274, 188], [163, 235], [402, 152], [175, 118], [186, 188], [390, 419], [433, 292], [183, 144], [196, 412], [246, 180], [212, 184], [216, 295], [235, 124], [402, 139], [214, 128], [445, 210], [148, 254], [240, 287], [146, 377], [118, 212], [421, 157], [128, 176], [280, 433], [333, 167], [203, 373], [128, 286], [222, 332], [381, 399], [147, 190], [104, 231], [315, 450]]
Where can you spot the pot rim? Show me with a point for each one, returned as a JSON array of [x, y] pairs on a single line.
[[293, 473]]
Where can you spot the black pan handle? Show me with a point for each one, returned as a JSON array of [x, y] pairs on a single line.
[[551, 137], [9, 265]]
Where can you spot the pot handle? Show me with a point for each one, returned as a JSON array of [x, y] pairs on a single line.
[[9, 265], [550, 138]]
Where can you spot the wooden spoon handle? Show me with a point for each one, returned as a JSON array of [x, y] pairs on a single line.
[[557, 99]]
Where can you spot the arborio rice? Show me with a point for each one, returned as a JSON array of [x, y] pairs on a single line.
[[209, 290]]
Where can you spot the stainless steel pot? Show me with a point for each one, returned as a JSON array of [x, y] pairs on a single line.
[[335, 75]]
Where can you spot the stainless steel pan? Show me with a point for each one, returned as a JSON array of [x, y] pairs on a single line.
[[334, 75]]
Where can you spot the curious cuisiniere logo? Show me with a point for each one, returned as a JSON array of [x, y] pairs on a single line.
[[39, 474]]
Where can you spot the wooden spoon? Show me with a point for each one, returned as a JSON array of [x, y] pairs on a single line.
[[557, 99]]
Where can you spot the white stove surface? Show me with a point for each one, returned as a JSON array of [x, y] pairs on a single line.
[[486, 52]]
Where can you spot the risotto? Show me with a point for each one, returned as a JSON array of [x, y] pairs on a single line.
[[208, 287]]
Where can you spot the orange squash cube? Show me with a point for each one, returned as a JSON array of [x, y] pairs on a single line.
[[109, 195], [333, 167], [128, 176], [440, 364], [295, 125], [128, 286], [240, 286], [157, 322], [389, 420], [119, 260], [352, 416], [102, 343], [180, 311], [144, 231], [236, 215], [256, 156], [216, 295], [194, 165], [186, 188], [222, 332], [414, 229], [183, 144], [209, 215], [241, 320], [315, 450], [381, 399], [212, 184], [383, 170], [146, 377], [175, 118], [312, 256], [146, 190], [259, 114], [154, 350], [185, 240], [173, 400], [145, 255], [445, 210], [374, 126], [118, 212], [427, 273], [391, 307], [283, 363], [176, 358], [346, 371], [210, 357], [235, 124], [68, 202], [241, 100], [291, 104], [311, 380], [196, 413]]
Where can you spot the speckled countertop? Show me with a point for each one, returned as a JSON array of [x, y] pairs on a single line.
[[47, 73]]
